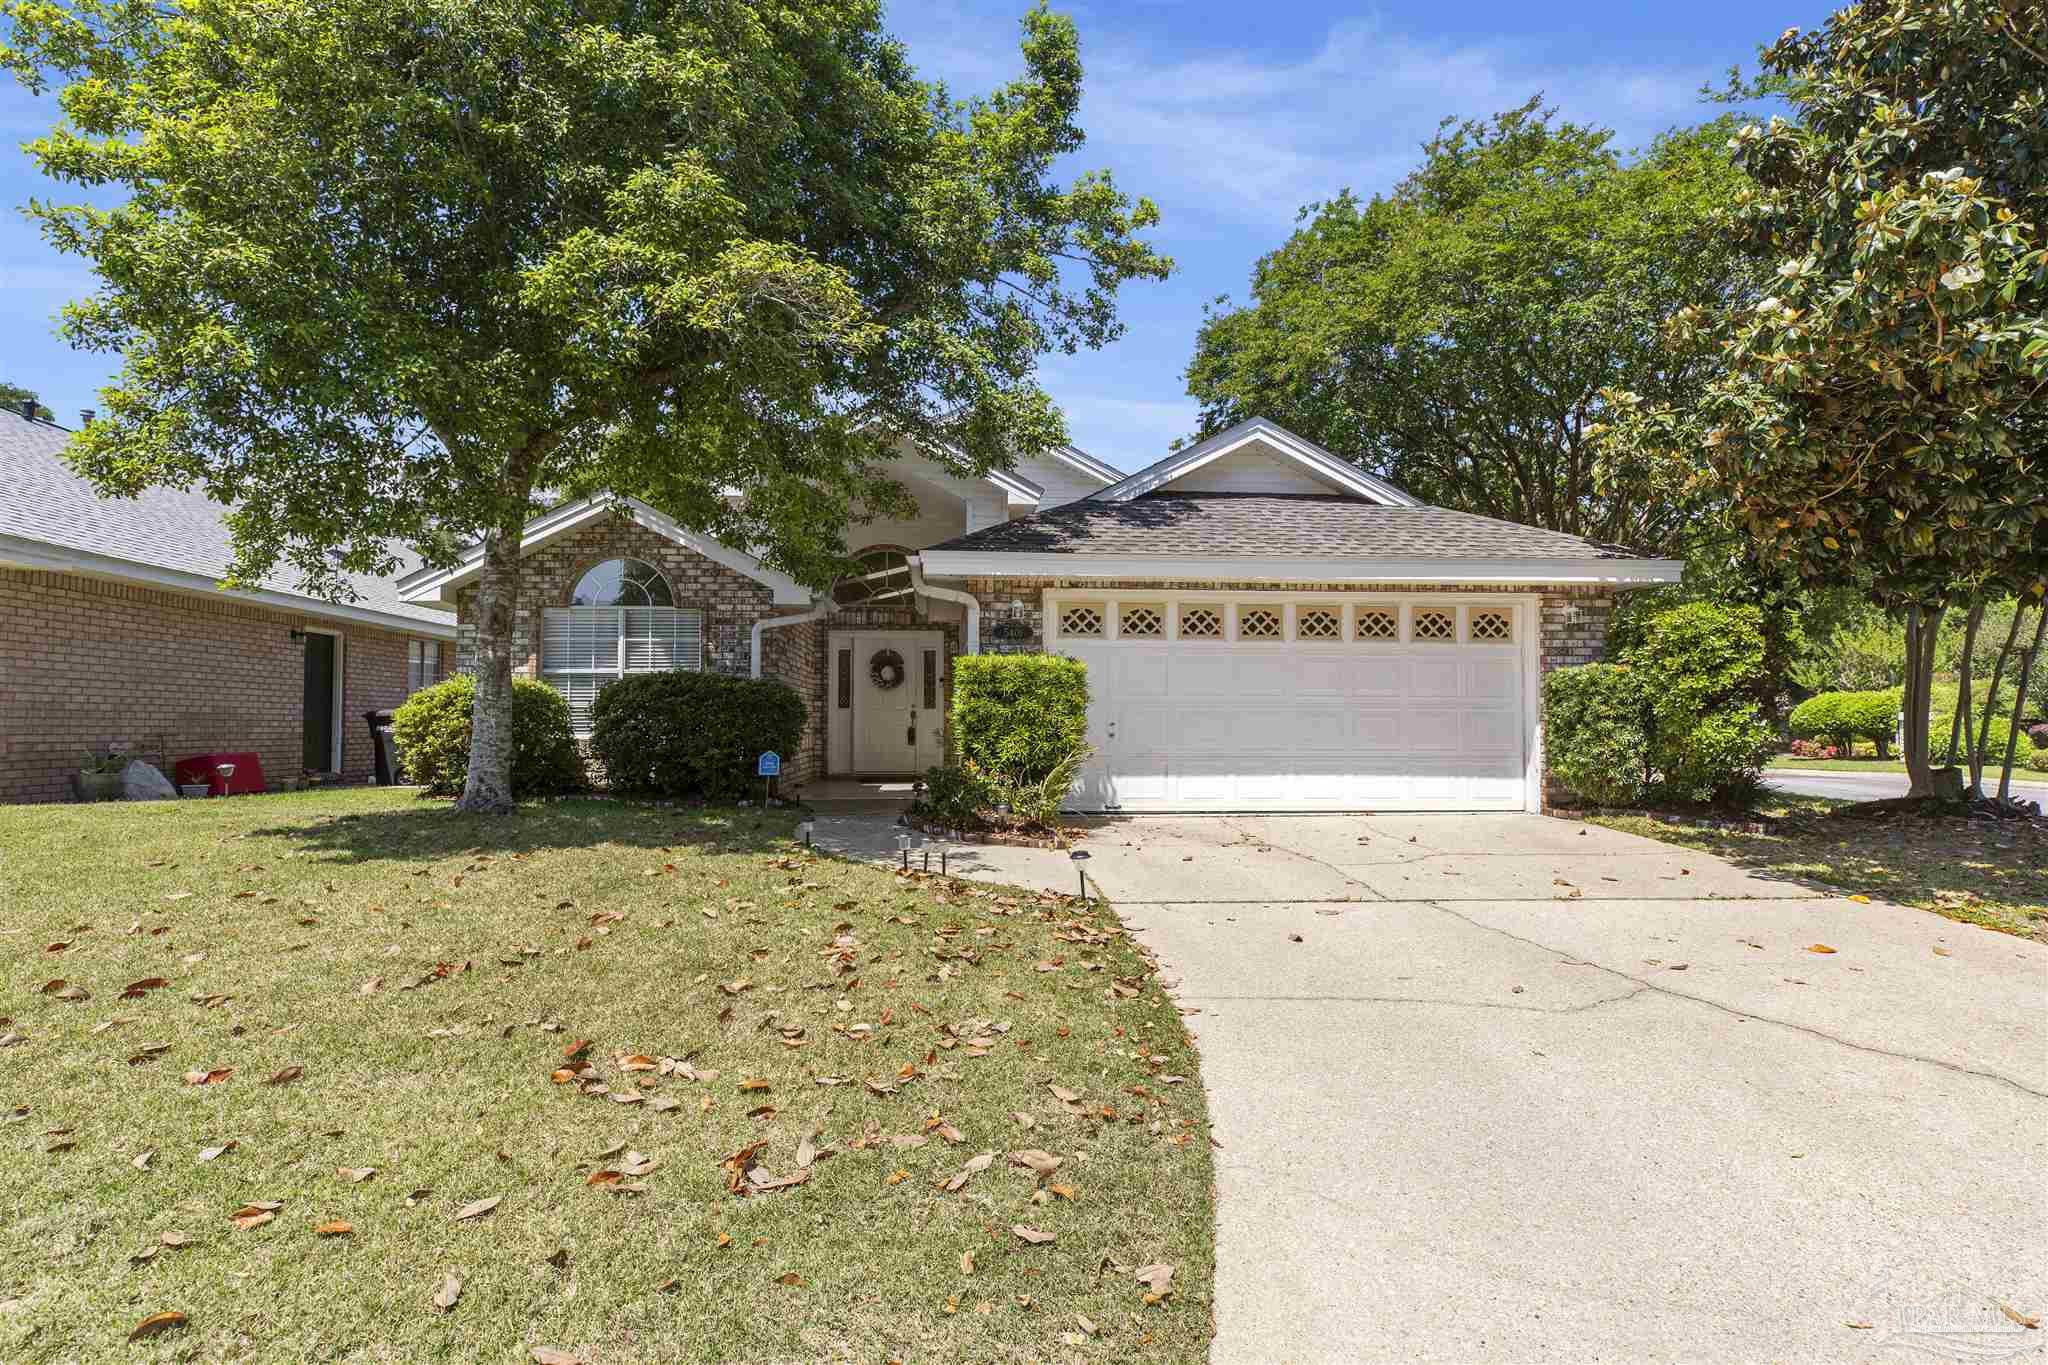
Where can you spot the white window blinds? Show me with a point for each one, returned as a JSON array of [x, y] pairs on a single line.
[[583, 648]]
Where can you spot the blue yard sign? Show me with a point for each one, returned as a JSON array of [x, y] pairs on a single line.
[[770, 765]]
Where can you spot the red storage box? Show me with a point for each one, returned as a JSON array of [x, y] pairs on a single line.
[[200, 768]]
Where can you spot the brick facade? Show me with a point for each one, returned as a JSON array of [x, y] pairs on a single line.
[[1572, 619], [86, 664]]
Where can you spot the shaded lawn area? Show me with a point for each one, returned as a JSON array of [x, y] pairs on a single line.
[[420, 986], [1988, 872]]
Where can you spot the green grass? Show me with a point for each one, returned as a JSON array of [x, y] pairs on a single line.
[[704, 937], [1837, 765], [1988, 872]]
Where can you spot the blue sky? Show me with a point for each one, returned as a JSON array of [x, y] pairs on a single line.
[[1230, 116]]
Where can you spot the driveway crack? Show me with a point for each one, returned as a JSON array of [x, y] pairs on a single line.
[[1601, 1003], [1575, 960]]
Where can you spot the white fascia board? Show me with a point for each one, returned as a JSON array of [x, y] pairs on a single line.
[[1076, 458], [1253, 569], [42, 557], [1313, 457], [431, 586]]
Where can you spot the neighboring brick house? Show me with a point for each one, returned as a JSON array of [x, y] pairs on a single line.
[[115, 633], [1266, 627]]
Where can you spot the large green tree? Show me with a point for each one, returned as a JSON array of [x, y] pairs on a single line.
[[1455, 335], [391, 268], [1881, 417]]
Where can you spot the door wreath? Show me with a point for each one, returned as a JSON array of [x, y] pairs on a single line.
[[885, 670]]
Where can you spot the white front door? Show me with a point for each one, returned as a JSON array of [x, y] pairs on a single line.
[[888, 694]]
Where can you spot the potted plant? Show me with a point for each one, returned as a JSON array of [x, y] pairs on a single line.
[[99, 777]]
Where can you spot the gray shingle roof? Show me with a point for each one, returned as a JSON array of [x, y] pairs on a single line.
[[1273, 524], [42, 500]]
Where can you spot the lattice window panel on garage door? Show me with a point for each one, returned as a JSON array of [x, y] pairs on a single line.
[[1377, 623], [1258, 623], [1318, 623], [1491, 625], [1141, 623], [1081, 621], [1201, 623], [1432, 623]]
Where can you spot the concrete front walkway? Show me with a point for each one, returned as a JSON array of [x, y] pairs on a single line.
[[1511, 1088]]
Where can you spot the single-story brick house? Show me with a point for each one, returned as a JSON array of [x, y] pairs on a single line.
[[1266, 627], [114, 632]]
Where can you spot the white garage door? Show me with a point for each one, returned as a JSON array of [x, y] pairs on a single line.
[[1264, 705]]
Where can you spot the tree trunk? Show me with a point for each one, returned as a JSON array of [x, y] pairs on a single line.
[[2012, 739], [1959, 728], [489, 788], [1983, 739], [1923, 628]]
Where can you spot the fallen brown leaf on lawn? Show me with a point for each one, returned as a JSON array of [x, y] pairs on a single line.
[[792, 1279], [555, 1355], [974, 1167], [255, 1215], [966, 1263], [355, 1175], [149, 1053], [136, 989], [155, 1323], [576, 1049], [1043, 1163], [209, 1153], [448, 1294], [174, 1239], [753, 1083], [1032, 1235], [763, 1184], [337, 1228], [142, 1159], [217, 1076], [65, 990], [1158, 1277], [286, 1075], [479, 1208]]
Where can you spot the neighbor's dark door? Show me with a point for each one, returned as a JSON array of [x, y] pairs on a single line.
[[319, 703]]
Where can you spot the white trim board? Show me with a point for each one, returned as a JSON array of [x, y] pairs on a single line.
[[1324, 464], [435, 587], [1300, 569], [20, 553]]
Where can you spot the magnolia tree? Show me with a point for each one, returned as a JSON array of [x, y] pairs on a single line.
[[1880, 415], [390, 269]]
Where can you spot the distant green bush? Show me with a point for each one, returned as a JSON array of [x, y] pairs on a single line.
[[1840, 717], [681, 734], [431, 730]]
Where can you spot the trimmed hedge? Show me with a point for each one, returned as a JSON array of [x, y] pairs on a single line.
[[1595, 737], [684, 734], [1844, 716], [1019, 717], [431, 729]]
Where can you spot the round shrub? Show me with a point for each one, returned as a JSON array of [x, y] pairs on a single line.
[[432, 731], [1022, 718], [1595, 739], [1708, 738], [1840, 717], [692, 734]]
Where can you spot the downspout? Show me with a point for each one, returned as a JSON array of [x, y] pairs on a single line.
[[971, 640], [777, 622]]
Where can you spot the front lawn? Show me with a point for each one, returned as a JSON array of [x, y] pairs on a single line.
[[701, 1096], [1837, 765], [1988, 872]]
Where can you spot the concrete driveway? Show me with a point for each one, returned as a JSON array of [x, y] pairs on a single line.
[[1511, 1088]]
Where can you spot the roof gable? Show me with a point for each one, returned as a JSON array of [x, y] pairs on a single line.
[[1258, 457]]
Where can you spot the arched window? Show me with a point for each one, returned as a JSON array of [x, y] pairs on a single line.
[[622, 583], [622, 619], [879, 575]]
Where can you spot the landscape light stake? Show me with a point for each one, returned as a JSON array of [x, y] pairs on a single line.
[[1080, 856]]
